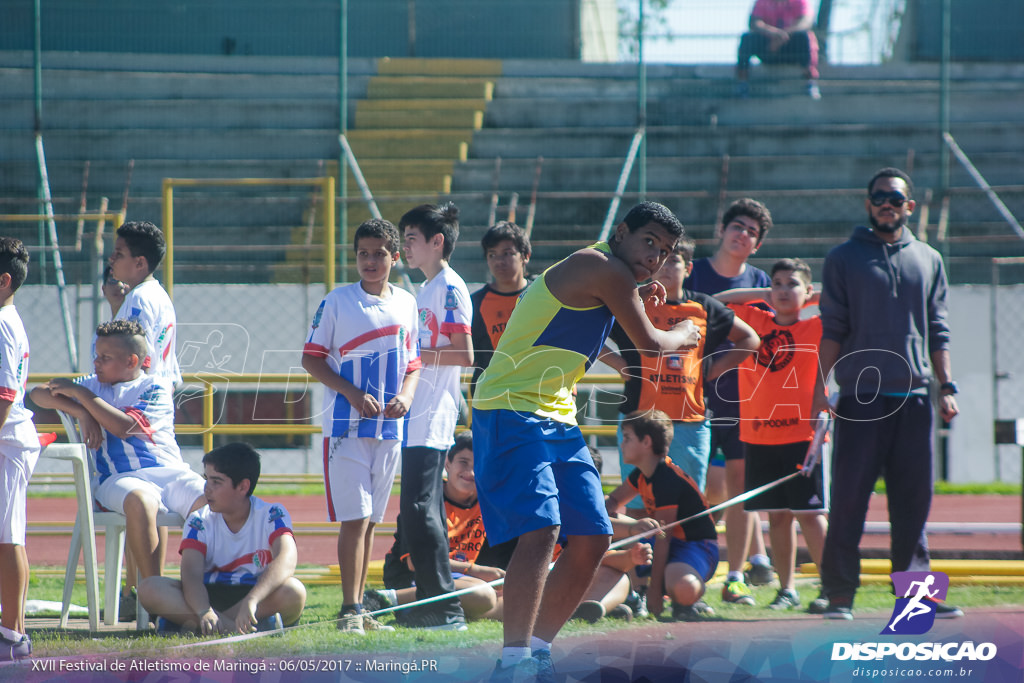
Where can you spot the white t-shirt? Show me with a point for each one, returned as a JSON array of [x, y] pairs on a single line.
[[236, 558], [147, 399], [13, 368], [18, 428], [148, 304], [445, 309], [371, 342]]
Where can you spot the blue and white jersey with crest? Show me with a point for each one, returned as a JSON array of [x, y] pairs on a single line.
[[231, 558], [371, 341], [148, 400]]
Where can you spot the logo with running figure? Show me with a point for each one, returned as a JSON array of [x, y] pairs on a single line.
[[914, 613]]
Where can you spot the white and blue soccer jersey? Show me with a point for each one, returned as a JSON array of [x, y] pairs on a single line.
[[13, 370], [148, 304], [445, 309], [148, 400], [236, 558], [371, 342]]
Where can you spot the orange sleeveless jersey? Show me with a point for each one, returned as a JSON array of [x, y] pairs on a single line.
[[466, 533], [777, 386], [673, 381]]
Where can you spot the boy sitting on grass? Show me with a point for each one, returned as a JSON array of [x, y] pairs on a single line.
[[686, 557], [237, 557]]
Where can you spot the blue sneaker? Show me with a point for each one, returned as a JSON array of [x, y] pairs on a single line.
[[271, 623], [166, 627], [526, 670], [545, 669]]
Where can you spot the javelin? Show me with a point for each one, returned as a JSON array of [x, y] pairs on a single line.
[[497, 582]]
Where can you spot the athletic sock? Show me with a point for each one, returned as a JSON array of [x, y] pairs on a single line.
[[510, 656], [10, 634], [761, 560], [538, 644], [355, 607], [390, 594], [734, 576]]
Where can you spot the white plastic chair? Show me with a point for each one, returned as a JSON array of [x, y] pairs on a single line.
[[78, 455], [113, 552]]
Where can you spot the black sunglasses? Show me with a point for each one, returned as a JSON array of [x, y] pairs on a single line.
[[896, 199]]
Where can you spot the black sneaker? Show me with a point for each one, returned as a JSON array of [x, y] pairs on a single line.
[[431, 621], [590, 611], [839, 609], [127, 605], [620, 611], [785, 599], [759, 574], [526, 670], [375, 601], [637, 602], [695, 612], [11, 650], [818, 605]]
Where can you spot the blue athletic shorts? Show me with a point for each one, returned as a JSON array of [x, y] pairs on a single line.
[[701, 555], [533, 472]]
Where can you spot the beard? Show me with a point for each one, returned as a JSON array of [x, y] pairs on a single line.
[[888, 227]]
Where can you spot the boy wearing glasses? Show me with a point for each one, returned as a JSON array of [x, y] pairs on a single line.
[[883, 313]]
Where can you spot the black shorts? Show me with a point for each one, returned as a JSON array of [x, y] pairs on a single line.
[[765, 464], [224, 596], [725, 439]]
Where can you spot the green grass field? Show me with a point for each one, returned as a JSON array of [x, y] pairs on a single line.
[[317, 635]]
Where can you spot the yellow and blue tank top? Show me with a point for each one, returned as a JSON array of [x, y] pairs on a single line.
[[545, 349]]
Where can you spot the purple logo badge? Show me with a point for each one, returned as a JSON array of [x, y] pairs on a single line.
[[914, 613]]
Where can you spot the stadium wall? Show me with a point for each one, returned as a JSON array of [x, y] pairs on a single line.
[[259, 328], [539, 29]]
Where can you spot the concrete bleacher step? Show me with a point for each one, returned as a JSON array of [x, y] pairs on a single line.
[[422, 116], [414, 143], [427, 87]]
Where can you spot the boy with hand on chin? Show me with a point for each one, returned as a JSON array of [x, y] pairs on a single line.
[[238, 557], [362, 347], [127, 417], [535, 476]]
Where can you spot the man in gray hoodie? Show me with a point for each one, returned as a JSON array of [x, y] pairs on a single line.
[[886, 341]]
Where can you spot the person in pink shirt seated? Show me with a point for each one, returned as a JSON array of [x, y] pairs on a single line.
[[781, 32]]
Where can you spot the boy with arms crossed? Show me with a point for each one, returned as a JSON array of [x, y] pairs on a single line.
[[684, 561], [534, 473], [362, 348], [19, 451], [743, 229], [127, 417], [776, 424], [445, 345], [237, 557]]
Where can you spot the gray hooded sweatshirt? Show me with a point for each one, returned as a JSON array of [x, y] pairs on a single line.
[[886, 306]]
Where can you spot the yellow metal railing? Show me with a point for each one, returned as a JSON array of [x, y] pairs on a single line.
[[326, 185], [208, 428]]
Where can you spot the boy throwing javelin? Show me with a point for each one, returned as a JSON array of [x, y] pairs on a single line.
[[534, 473]]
